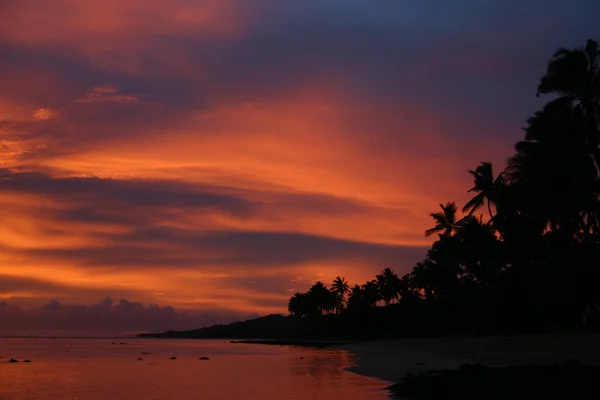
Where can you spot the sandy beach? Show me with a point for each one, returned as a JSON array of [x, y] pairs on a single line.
[[392, 360]]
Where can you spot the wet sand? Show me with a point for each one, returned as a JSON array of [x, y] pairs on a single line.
[[392, 360]]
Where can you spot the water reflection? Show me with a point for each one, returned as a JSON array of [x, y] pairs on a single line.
[[95, 369]]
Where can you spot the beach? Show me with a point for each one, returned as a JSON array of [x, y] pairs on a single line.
[[392, 360]]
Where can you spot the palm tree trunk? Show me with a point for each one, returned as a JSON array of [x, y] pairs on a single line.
[[490, 209]]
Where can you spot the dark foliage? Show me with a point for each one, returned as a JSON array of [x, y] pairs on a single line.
[[532, 264], [474, 382]]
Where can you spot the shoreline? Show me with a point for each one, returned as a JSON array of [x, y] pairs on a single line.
[[320, 344], [393, 360]]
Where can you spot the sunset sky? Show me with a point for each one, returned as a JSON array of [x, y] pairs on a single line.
[[217, 156]]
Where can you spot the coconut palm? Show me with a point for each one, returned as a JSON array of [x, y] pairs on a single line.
[[407, 288], [321, 298], [554, 169], [446, 222], [389, 285], [574, 74], [340, 289], [355, 299], [486, 186], [371, 293]]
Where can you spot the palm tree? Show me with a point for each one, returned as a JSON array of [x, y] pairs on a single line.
[[419, 278], [389, 285], [553, 169], [355, 299], [407, 289], [340, 289], [321, 298], [575, 75], [486, 187], [370, 292], [446, 222], [481, 251]]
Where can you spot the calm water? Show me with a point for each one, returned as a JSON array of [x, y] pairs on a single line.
[[95, 369]]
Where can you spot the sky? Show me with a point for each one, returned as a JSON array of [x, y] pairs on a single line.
[[170, 164]]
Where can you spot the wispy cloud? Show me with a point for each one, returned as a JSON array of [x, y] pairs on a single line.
[[109, 93], [219, 154]]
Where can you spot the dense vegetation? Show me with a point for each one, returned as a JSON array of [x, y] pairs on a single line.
[[532, 261], [522, 254]]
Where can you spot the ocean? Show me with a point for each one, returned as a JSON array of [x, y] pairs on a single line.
[[131, 369]]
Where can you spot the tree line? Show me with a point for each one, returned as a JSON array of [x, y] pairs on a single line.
[[387, 287], [525, 250]]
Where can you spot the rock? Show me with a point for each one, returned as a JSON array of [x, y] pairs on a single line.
[[302, 358], [146, 353], [204, 358], [12, 360], [173, 358], [139, 358], [27, 361]]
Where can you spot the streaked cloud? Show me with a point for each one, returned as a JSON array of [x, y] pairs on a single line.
[[217, 155]]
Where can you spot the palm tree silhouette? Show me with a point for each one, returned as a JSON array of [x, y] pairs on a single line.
[[534, 263], [486, 187], [446, 223], [389, 285], [355, 299], [340, 289], [371, 295], [555, 192], [321, 298], [298, 305], [575, 75]]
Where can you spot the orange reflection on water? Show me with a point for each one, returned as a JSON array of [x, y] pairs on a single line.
[[95, 369]]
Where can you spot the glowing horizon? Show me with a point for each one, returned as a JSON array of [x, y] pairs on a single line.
[[216, 157]]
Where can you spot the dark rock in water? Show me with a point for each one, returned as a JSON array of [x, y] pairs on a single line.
[[173, 358], [146, 353], [27, 361], [139, 358], [12, 360], [204, 358], [122, 343], [302, 358]]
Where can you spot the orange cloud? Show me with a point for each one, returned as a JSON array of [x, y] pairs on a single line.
[[295, 162], [221, 155]]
